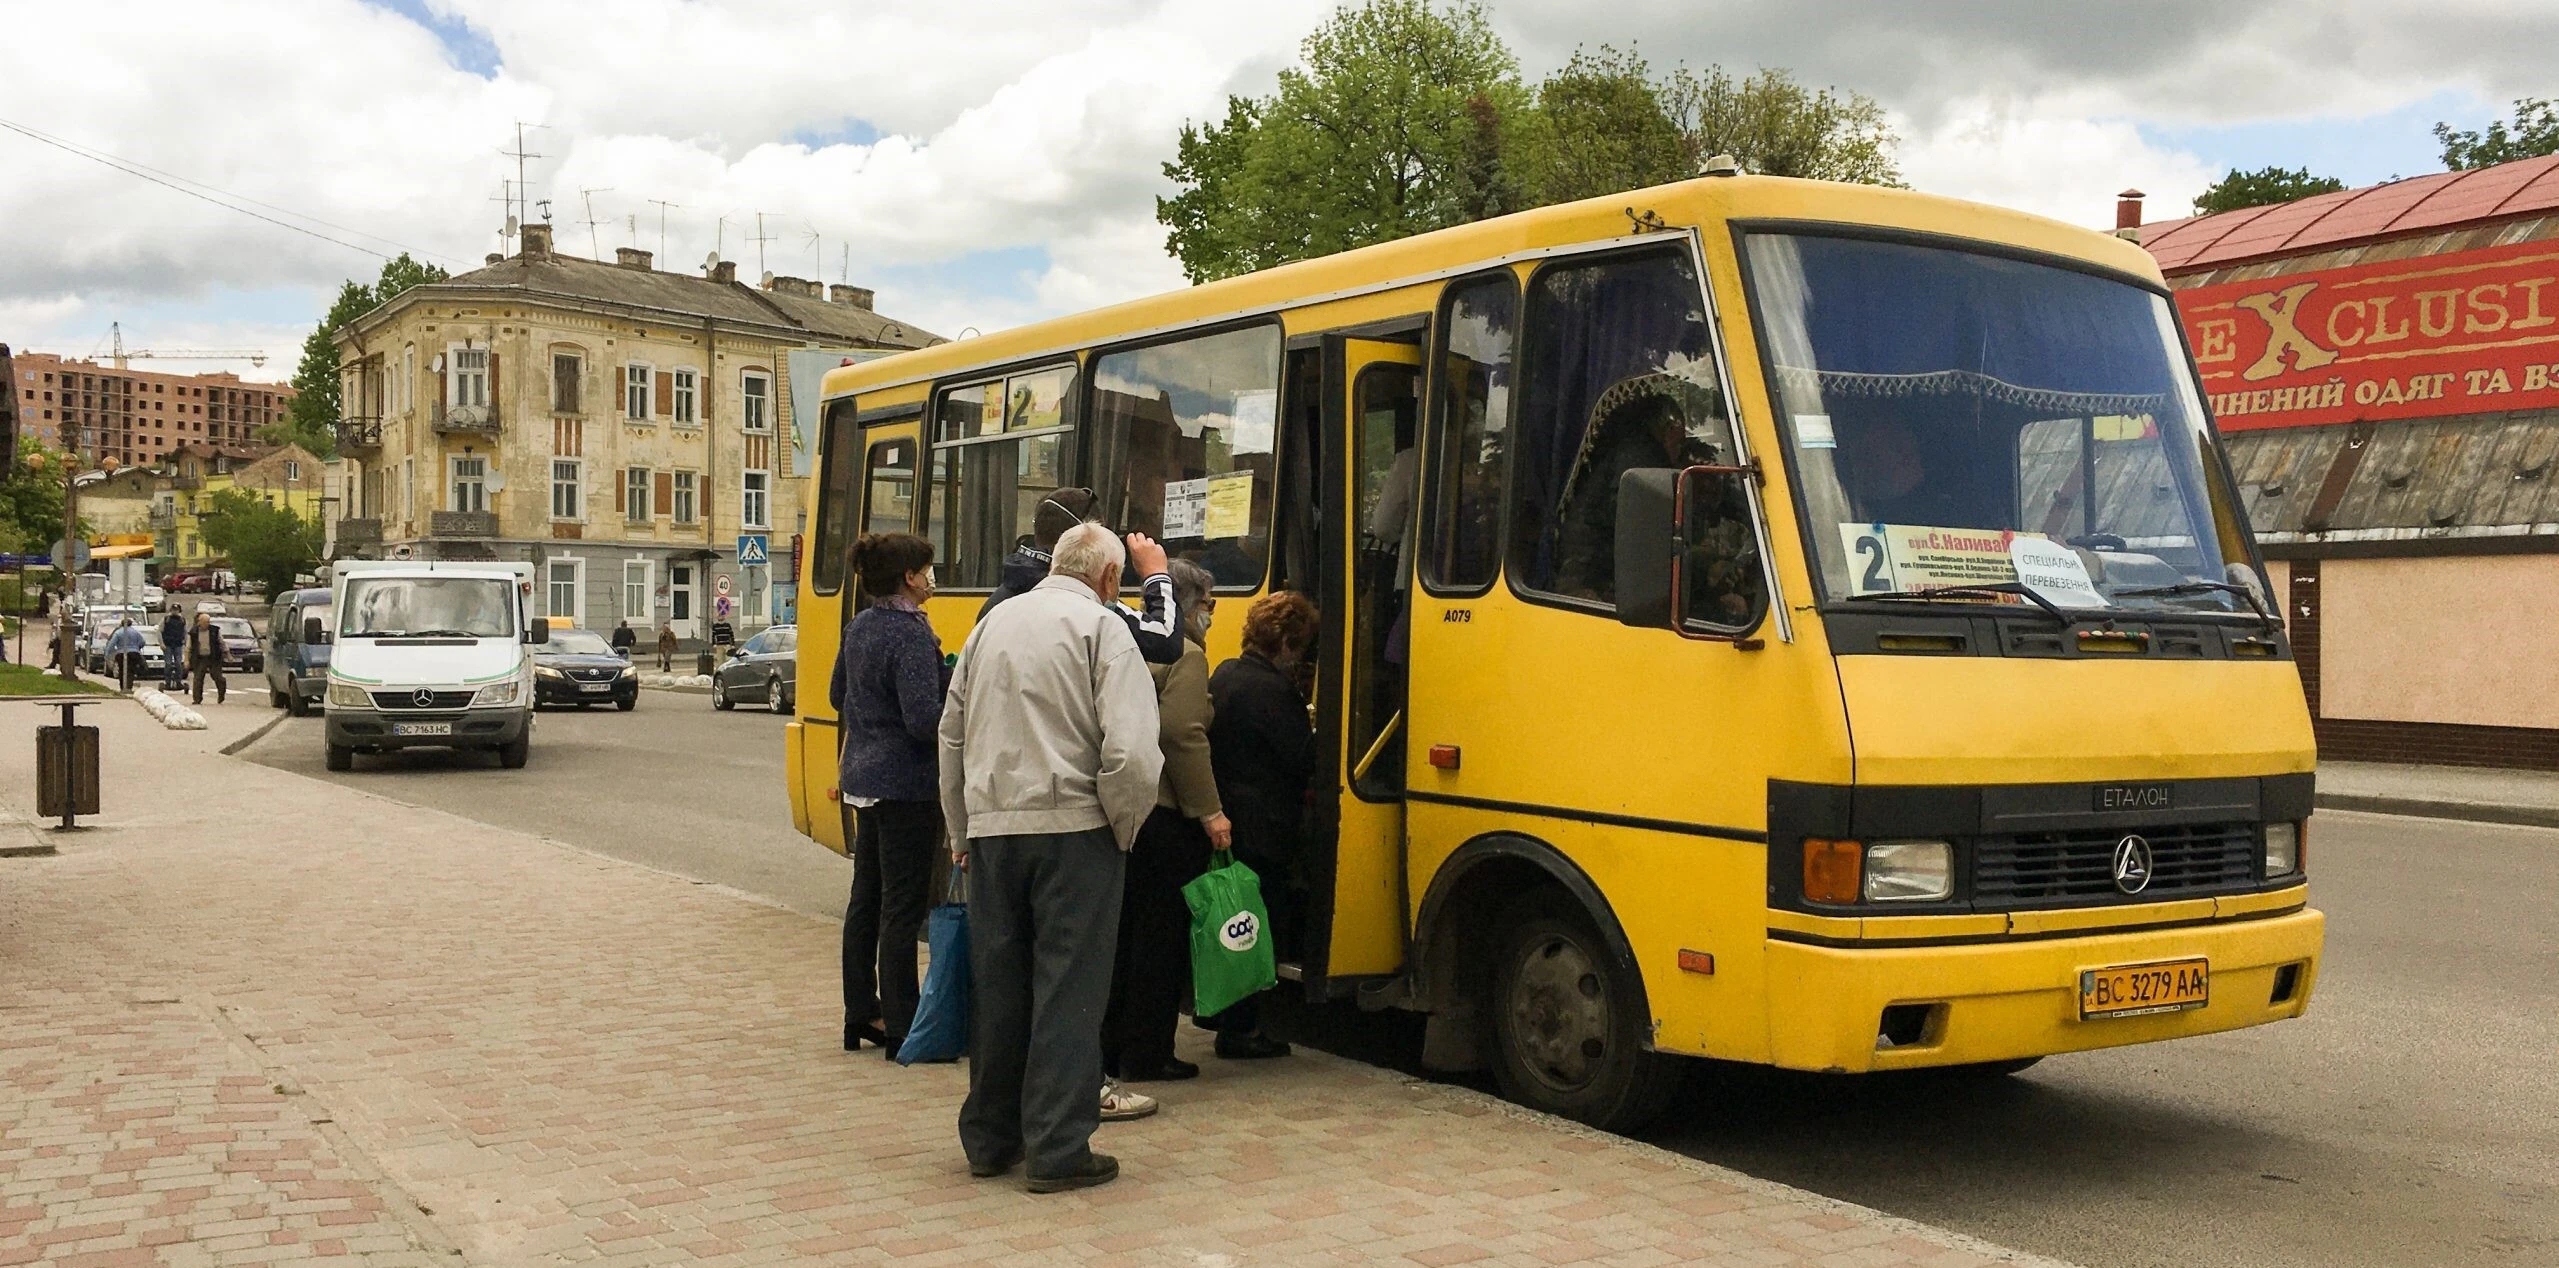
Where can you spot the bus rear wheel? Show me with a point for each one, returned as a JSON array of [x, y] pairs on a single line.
[[1568, 1023]]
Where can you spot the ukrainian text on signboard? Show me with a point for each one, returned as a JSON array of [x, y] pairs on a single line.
[[2471, 332]]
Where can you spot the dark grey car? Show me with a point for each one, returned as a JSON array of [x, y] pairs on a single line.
[[762, 670]]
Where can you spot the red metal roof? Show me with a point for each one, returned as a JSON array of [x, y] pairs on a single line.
[[2423, 204]]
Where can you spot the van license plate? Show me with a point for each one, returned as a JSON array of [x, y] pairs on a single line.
[[2136, 990], [421, 728]]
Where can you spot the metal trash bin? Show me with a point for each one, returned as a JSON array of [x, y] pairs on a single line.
[[66, 772]]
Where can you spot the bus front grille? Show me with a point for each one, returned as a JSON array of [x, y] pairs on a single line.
[[2048, 868]]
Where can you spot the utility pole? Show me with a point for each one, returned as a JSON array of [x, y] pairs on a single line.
[[662, 204], [592, 246]]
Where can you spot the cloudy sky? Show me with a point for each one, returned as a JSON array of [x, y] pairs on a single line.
[[987, 162]]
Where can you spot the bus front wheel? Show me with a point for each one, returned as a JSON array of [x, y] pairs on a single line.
[[1568, 1023]]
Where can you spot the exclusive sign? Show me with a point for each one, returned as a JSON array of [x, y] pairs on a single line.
[[2448, 334]]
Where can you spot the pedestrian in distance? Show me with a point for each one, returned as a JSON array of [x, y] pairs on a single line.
[[1264, 754], [1049, 762], [173, 650], [1155, 625], [666, 647], [204, 658], [1151, 974], [124, 650], [887, 693], [623, 638]]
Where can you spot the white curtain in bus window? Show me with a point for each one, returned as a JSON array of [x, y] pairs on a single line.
[[1003, 446], [1191, 427]]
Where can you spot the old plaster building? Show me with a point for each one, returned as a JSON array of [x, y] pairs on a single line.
[[618, 427]]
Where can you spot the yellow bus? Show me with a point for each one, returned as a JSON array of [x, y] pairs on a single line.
[[1821, 631]]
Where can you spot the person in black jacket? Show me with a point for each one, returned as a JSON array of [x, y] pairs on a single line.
[[1263, 751], [173, 650], [1157, 628]]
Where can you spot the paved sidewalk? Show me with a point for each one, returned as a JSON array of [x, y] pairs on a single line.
[[2476, 793], [298, 1021]]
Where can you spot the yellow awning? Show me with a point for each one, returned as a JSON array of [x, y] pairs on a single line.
[[119, 552]]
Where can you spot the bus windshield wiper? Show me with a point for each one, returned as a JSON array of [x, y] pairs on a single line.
[[1985, 590], [2201, 586], [442, 634]]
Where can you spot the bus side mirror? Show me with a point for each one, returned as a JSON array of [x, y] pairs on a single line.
[[312, 632], [1688, 553], [541, 631]]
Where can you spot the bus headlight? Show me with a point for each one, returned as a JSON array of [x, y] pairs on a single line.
[[497, 693], [347, 695], [1909, 871], [2283, 849]]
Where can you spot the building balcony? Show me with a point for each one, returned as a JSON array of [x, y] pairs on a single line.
[[359, 433], [463, 525], [163, 521], [364, 534], [466, 420]]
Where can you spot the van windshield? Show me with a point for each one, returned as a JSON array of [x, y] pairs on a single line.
[[458, 607], [1958, 419]]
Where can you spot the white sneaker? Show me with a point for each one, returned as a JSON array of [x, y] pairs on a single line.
[[1119, 1105]]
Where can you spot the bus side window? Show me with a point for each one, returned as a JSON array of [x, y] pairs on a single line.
[[838, 444], [999, 447], [1471, 408]]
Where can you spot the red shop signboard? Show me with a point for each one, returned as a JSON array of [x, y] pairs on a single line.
[[2469, 333]]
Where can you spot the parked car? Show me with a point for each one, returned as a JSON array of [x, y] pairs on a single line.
[[240, 648], [155, 598], [210, 607], [762, 670], [99, 623], [577, 667], [297, 670]]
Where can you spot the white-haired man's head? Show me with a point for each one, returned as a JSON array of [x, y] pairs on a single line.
[[1089, 553]]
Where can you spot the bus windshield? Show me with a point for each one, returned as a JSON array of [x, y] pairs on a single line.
[[1959, 420], [453, 607]]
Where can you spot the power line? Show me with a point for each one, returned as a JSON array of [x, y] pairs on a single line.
[[173, 181]]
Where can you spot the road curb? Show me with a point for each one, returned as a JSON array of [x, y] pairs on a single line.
[[2423, 808]]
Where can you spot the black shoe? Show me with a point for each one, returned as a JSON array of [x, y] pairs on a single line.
[[1097, 1169], [1170, 1070], [1250, 1047], [856, 1036], [996, 1165]]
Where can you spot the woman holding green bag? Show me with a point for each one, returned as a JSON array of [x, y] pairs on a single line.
[[1263, 751], [1150, 979]]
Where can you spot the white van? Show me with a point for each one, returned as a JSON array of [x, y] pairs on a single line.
[[430, 655]]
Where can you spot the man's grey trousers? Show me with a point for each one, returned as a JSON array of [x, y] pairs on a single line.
[[1044, 916]]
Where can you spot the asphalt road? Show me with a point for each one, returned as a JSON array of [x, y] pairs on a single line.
[[2410, 1119]]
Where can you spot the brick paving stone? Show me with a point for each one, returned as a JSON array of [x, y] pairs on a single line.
[[295, 1021]]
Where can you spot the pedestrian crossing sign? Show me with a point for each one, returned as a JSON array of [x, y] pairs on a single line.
[[753, 550]]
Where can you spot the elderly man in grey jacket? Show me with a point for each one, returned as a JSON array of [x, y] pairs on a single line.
[[1049, 764]]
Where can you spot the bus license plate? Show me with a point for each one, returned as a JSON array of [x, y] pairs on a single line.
[[2136, 990], [421, 728]]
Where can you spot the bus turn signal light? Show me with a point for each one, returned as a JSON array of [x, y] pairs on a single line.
[[1832, 870]]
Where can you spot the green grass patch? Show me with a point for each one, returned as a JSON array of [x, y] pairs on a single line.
[[26, 680]]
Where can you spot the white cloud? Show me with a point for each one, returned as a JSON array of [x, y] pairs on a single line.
[[2070, 168]]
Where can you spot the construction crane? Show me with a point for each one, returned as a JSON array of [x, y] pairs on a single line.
[[253, 356]]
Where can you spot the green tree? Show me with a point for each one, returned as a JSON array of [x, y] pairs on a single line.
[[268, 543], [311, 421], [2535, 133], [1600, 126], [1778, 127], [2263, 188], [1379, 134], [31, 498]]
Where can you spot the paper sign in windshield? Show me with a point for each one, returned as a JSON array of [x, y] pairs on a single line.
[[2054, 571], [1888, 557], [1185, 509], [1230, 505]]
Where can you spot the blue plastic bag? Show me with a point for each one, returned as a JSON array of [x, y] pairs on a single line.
[[940, 1031]]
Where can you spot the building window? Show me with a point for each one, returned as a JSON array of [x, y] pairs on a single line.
[[568, 493], [682, 497], [565, 369], [686, 386], [755, 398], [292, 469], [408, 488], [753, 489], [470, 483], [470, 378], [635, 495], [635, 392], [408, 374], [636, 589], [561, 584]]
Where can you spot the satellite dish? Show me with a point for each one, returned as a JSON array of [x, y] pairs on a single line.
[[510, 224], [497, 479], [768, 279], [711, 261]]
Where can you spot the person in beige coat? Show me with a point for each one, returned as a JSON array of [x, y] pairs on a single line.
[[1151, 977]]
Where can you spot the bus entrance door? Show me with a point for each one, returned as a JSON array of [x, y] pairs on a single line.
[[1372, 397]]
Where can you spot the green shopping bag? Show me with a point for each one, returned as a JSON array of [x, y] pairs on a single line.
[[1230, 936]]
